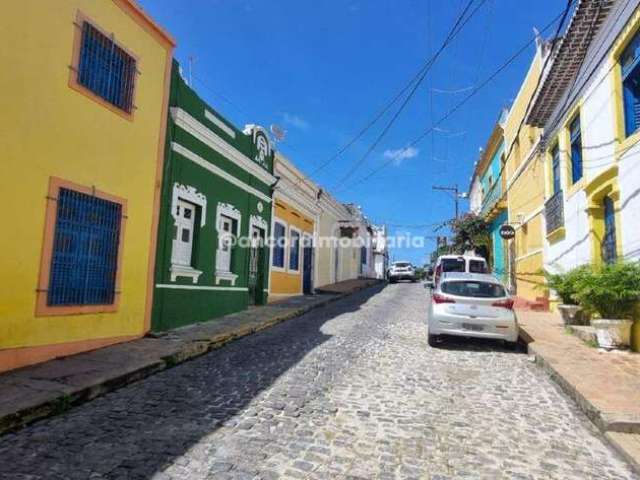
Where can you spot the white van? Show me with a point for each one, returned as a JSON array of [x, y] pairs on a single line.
[[460, 264]]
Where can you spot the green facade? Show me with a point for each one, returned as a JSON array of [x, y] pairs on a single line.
[[197, 143]]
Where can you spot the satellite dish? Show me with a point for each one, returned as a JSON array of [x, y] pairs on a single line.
[[277, 132]]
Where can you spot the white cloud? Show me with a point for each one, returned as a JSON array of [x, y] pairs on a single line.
[[295, 121], [401, 154]]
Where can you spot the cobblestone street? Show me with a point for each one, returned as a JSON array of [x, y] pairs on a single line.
[[351, 390]]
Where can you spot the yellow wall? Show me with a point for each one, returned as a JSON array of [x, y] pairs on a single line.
[[525, 182], [48, 129], [283, 283]]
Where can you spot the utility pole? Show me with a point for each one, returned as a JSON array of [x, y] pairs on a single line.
[[456, 194]]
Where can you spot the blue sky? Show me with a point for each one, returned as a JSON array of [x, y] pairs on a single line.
[[322, 69]]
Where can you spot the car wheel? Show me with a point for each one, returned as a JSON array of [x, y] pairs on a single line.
[[433, 340]]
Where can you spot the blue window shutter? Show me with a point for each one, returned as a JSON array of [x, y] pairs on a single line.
[[576, 150], [85, 250], [278, 248]]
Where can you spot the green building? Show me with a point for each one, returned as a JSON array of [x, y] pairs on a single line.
[[215, 214]]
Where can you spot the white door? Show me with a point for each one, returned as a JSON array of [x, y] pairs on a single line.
[[183, 243], [225, 241]]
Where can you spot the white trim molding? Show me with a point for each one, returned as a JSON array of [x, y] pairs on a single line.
[[232, 212], [192, 126], [261, 141], [184, 271], [258, 221], [219, 123], [198, 160], [199, 287], [191, 195], [228, 276]]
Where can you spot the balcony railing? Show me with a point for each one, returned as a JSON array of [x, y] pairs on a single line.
[[490, 200], [554, 212]]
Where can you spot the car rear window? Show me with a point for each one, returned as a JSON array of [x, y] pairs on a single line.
[[401, 265], [453, 264], [475, 289], [477, 266]]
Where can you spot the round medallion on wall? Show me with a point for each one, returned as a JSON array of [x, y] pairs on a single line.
[[260, 207]]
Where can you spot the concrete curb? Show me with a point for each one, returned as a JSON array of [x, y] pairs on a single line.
[[177, 347], [614, 428]]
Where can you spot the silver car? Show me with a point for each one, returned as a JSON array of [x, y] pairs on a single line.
[[472, 305]]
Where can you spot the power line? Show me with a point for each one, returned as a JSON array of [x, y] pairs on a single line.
[[483, 84], [457, 27]]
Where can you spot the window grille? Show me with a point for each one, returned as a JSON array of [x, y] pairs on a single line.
[[85, 250], [106, 69]]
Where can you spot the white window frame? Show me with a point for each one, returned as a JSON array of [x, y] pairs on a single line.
[[290, 243], [227, 210], [188, 194], [286, 245]]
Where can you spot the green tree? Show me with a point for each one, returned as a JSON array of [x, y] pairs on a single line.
[[471, 232]]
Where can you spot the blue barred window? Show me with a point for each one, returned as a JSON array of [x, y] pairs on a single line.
[[106, 69], [630, 63], [85, 250], [576, 150]]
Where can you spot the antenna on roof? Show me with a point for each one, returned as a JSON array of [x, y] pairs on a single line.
[[278, 132], [192, 60]]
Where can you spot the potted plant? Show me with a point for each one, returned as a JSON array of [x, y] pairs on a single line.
[[612, 292], [565, 285]]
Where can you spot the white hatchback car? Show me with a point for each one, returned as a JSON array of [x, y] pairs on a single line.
[[472, 305]]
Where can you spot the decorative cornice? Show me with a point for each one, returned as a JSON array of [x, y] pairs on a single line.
[[190, 194], [195, 158], [219, 123], [192, 126], [258, 221]]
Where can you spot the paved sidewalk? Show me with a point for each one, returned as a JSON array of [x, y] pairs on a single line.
[[605, 385], [49, 388]]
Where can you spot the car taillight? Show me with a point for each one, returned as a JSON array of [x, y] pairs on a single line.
[[508, 304], [438, 298]]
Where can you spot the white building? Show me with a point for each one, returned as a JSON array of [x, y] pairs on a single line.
[[588, 107]]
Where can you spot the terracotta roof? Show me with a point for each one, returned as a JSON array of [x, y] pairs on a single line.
[[568, 55]]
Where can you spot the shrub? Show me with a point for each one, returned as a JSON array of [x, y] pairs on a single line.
[[612, 291], [566, 284]]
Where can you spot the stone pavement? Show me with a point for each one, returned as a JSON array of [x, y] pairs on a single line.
[[349, 391], [34, 392], [605, 385]]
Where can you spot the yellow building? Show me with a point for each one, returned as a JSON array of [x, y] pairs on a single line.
[[524, 173], [83, 128], [294, 219]]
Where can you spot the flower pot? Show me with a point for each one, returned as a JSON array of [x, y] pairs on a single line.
[[571, 314], [612, 333]]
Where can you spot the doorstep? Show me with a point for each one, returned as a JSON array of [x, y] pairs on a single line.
[[37, 391], [605, 385]]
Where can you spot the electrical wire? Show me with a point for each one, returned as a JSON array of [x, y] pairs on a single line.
[[562, 16], [457, 27]]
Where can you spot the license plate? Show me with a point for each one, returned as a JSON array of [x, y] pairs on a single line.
[[473, 327]]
